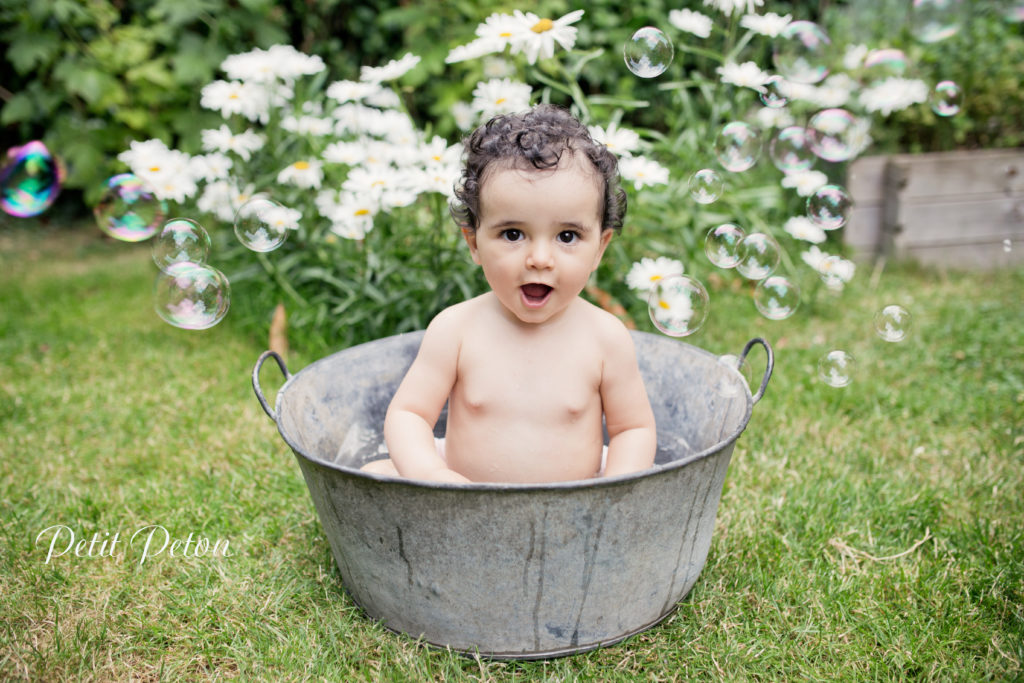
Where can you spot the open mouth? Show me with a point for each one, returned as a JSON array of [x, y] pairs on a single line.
[[535, 294]]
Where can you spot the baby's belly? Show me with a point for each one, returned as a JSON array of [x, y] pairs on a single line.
[[524, 453]]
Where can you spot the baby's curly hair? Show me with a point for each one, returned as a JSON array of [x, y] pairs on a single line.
[[537, 139]]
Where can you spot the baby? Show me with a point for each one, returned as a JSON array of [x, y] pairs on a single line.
[[529, 368]]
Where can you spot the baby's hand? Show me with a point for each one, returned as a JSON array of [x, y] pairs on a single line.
[[444, 474]]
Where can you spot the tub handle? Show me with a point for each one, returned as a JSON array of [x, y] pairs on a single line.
[[768, 367], [256, 380]]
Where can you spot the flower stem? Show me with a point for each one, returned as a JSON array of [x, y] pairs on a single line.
[[275, 274]]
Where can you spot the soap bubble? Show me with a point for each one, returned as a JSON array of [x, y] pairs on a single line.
[[30, 180], [790, 150], [706, 186], [192, 296], [1014, 13], [261, 225], [935, 20], [181, 239], [128, 209], [759, 256], [648, 53], [678, 305], [776, 297], [834, 272], [836, 368], [892, 323], [738, 146], [773, 97], [722, 245], [801, 52], [946, 98], [829, 207], [833, 134], [884, 63], [737, 377]]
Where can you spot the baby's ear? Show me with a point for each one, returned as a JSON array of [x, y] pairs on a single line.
[[469, 234]]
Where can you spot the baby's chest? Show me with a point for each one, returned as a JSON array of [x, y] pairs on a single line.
[[564, 384]]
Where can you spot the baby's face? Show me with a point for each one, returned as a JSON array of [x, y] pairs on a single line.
[[540, 236]]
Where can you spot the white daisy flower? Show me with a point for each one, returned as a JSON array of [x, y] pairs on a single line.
[[349, 153], [646, 272], [768, 117], [747, 75], [501, 96], [308, 173], [536, 37], [216, 200], [474, 49], [351, 91], [439, 178], [396, 68], [291, 63], [835, 91], [642, 172], [893, 94], [385, 98], [803, 228], [170, 173], [499, 29], [372, 181], [727, 7], [250, 100], [465, 115], [813, 257], [854, 56], [805, 182], [210, 167], [620, 141], [770, 24], [691, 22], [308, 125], [223, 140], [281, 218]]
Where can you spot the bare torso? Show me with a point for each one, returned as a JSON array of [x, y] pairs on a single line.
[[526, 403]]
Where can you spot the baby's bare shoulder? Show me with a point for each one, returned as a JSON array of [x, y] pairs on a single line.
[[606, 327]]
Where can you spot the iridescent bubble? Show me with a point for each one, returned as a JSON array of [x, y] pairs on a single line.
[[192, 296], [736, 377], [648, 53], [833, 134], [722, 245], [30, 180], [773, 96], [776, 297], [759, 256], [678, 305], [128, 210], [829, 207], [884, 63], [801, 52], [180, 239], [893, 323], [706, 186], [738, 146], [946, 98], [261, 224], [836, 368], [790, 149], [1014, 13], [935, 20]]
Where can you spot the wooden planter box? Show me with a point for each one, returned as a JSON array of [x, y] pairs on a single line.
[[946, 208]]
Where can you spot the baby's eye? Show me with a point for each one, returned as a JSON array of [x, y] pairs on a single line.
[[512, 235], [567, 236]]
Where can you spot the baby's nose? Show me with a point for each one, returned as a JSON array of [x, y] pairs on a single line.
[[540, 255]]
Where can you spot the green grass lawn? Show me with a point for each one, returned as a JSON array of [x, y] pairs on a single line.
[[870, 532]]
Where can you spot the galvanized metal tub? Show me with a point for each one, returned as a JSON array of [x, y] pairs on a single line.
[[515, 571]]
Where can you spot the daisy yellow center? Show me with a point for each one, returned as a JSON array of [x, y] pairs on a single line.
[[362, 212], [542, 26], [663, 304], [655, 278], [500, 100], [154, 169], [301, 165], [233, 96], [505, 34]]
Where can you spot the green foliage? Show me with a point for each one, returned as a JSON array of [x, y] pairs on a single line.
[[91, 77]]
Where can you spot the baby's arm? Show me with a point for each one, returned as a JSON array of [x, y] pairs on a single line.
[[416, 406], [628, 415]]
